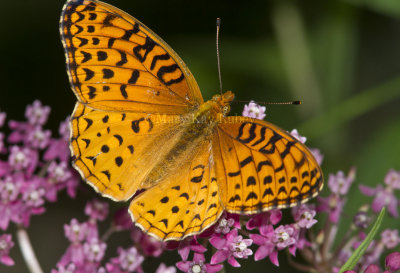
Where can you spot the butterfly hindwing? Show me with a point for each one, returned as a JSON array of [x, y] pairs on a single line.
[[262, 167], [116, 63], [185, 203]]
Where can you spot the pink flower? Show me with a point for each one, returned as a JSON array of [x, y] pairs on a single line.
[[19, 158], [383, 197], [230, 247], [372, 268], [304, 216], [390, 238], [224, 225], [36, 113], [332, 204], [190, 244], [96, 209], [267, 247], [392, 179], [283, 236], [75, 231], [297, 136], [198, 265], [392, 261], [94, 250], [122, 220], [263, 219], [11, 204], [128, 260], [254, 110], [164, 269], [3, 116], [319, 157], [37, 138], [6, 244], [59, 148], [339, 183]]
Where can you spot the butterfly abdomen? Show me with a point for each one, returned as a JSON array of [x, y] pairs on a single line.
[[195, 129]]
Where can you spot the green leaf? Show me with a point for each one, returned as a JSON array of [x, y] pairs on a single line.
[[352, 261]]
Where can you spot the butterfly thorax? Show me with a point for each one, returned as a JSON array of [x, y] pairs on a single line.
[[218, 105], [196, 129]]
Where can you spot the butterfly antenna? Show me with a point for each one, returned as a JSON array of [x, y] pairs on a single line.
[[269, 103], [218, 61]]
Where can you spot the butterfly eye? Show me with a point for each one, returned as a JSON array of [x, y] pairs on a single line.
[[226, 109]]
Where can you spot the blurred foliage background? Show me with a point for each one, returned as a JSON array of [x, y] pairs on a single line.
[[340, 58]]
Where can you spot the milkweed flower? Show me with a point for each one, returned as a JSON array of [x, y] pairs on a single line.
[[253, 110]]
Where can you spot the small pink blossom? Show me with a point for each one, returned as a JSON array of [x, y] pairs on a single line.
[[190, 244], [59, 148], [6, 244], [224, 225], [392, 179], [390, 238], [198, 265], [164, 269], [122, 220], [283, 236], [392, 261], [129, 260], [297, 136], [319, 157], [263, 219], [38, 138], [3, 116], [149, 245], [94, 250], [304, 216], [230, 247], [36, 113], [339, 183], [383, 197], [75, 231], [333, 205], [253, 110], [96, 209]]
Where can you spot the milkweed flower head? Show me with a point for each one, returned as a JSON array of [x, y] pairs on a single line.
[[36, 168]]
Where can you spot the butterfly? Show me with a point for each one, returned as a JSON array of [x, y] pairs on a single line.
[[141, 129]]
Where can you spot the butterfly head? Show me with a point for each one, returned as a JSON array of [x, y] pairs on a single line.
[[223, 102]]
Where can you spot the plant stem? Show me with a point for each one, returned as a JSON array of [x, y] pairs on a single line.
[[27, 251]]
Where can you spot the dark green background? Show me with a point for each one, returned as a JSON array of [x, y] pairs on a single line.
[[340, 58]]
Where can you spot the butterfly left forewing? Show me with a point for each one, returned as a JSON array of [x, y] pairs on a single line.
[[262, 167], [116, 63]]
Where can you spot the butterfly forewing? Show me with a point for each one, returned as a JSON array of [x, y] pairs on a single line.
[[116, 63]]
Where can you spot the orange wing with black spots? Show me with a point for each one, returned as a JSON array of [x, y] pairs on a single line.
[[115, 151], [261, 167], [185, 203], [116, 63]]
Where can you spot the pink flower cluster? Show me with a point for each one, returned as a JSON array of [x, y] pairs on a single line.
[[35, 169], [86, 252]]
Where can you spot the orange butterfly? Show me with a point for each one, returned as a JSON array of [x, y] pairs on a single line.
[[141, 123]]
